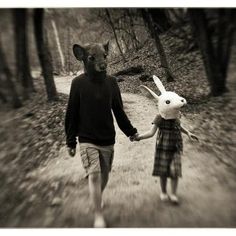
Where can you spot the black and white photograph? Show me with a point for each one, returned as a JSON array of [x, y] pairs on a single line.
[[117, 117]]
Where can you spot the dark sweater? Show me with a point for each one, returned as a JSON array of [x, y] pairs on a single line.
[[89, 111]]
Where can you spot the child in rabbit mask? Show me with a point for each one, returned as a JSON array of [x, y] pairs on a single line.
[[169, 145]]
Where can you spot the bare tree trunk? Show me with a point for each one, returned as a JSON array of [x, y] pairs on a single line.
[[215, 60], [125, 43], [134, 37], [160, 18], [15, 100], [68, 50], [114, 32], [44, 54], [3, 97], [21, 51], [62, 58], [199, 23], [164, 63], [225, 53]]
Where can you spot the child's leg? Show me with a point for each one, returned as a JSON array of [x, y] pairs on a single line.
[[163, 182], [174, 185]]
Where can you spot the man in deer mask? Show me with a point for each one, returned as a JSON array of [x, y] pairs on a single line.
[[93, 97]]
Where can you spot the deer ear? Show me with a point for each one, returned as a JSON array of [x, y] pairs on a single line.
[[106, 46], [79, 52]]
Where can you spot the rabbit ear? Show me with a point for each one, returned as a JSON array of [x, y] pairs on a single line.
[[159, 84], [150, 91]]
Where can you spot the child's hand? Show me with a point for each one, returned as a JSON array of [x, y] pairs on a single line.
[[192, 136], [137, 138]]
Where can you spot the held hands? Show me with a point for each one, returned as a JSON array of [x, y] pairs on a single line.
[[135, 137], [71, 151]]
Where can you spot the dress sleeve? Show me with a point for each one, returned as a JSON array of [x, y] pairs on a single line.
[[157, 120]]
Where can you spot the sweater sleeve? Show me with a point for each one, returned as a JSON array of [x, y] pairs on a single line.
[[72, 115], [120, 115]]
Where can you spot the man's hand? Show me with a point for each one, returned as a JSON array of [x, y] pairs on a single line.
[[192, 136], [134, 137], [71, 151]]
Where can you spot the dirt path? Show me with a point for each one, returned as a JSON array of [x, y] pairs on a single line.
[[207, 189]]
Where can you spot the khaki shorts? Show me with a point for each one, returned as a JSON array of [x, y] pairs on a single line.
[[96, 158]]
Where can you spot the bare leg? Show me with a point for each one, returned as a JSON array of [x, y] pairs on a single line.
[[105, 178], [174, 185], [163, 182], [96, 197], [163, 195]]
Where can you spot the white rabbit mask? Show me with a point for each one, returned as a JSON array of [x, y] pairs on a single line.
[[169, 103]]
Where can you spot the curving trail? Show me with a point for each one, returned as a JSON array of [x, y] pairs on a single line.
[[207, 189]]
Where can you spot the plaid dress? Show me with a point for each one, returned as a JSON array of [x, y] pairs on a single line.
[[169, 147]]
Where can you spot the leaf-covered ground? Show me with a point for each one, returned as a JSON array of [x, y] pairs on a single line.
[[32, 136], [56, 194], [188, 70]]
